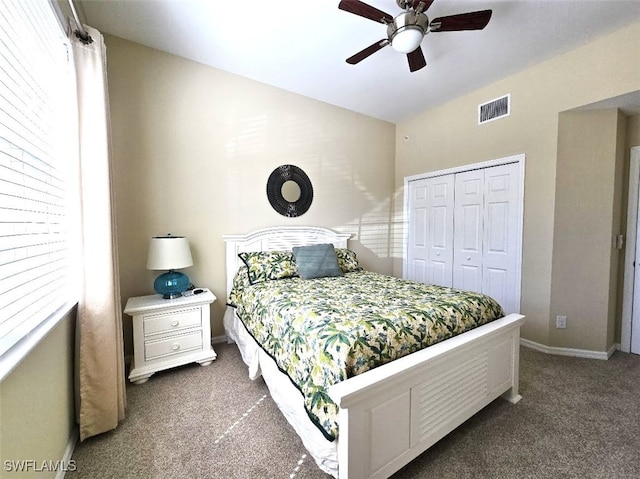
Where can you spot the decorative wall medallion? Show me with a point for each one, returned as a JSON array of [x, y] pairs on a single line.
[[289, 190]]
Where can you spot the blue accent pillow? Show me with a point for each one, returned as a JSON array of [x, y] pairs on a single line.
[[316, 261]]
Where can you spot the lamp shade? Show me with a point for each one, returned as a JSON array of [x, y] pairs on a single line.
[[169, 252]]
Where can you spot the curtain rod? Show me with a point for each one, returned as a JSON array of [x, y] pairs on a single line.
[[81, 33]]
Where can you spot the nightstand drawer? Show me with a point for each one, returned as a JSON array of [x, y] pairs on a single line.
[[174, 345], [162, 323]]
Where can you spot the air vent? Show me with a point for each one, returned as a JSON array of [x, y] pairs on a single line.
[[494, 109]]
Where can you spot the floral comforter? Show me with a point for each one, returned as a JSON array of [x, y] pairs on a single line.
[[324, 330]]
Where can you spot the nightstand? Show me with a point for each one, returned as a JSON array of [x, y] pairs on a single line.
[[169, 333]]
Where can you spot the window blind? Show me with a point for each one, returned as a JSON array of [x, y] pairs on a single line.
[[35, 263]]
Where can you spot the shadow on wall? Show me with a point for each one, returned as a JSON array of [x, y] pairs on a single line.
[[378, 235], [352, 173]]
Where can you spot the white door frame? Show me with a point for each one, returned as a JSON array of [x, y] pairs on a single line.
[[520, 160], [630, 249]]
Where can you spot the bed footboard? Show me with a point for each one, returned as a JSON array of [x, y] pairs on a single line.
[[393, 413]]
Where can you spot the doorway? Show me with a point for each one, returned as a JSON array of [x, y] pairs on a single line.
[[630, 333]]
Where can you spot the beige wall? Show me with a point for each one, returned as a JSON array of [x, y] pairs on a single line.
[[37, 403], [192, 150], [632, 139], [449, 136], [633, 133], [587, 217]]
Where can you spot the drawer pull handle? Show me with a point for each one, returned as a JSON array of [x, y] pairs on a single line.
[[176, 346], [174, 323]]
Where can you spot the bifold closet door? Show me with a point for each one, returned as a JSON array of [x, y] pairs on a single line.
[[486, 242], [468, 229], [430, 242]]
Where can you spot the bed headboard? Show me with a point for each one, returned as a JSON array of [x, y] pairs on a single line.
[[277, 238]]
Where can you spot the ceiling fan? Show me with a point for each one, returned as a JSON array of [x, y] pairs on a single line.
[[406, 31]]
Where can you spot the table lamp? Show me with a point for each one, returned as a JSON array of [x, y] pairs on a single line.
[[170, 253]]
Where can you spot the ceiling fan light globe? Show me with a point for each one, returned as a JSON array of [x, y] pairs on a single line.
[[407, 39], [407, 30]]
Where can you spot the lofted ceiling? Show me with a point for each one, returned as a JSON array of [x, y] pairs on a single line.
[[301, 46]]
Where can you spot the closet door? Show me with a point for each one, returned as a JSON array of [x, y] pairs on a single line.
[[486, 241], [430, 248], [500, 241], [417, 247], [464, 232], [440, 237], [468, 230]]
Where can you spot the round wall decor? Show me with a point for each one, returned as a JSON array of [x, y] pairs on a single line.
[[289, 190]]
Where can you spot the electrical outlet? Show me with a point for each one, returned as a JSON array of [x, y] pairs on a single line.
[[561, 322]]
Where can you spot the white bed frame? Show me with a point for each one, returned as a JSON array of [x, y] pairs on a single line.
[[391, 414]]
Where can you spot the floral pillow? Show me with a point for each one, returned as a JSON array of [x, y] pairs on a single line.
[[240, 282], [268, 265], [347, 260]]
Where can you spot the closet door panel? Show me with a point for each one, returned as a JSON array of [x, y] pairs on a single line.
[[468, 230], [468, 277], [500, 238], [441, 200], [495, 283], [417, 251]]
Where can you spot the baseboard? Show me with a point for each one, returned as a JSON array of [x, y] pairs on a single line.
[[68, 453], [578, 353]]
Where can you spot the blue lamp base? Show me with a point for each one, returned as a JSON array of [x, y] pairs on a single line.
[[171, 284]]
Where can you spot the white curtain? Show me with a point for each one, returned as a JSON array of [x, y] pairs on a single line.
[[100, 383]]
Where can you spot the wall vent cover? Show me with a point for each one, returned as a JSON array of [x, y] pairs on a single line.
[[494, 109]]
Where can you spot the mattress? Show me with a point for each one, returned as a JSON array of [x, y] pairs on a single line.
[[322, 331]]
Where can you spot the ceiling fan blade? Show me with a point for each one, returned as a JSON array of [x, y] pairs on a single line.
[[463, 21], [370, 50], [427, 4], [367, 11], [416, 60]]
